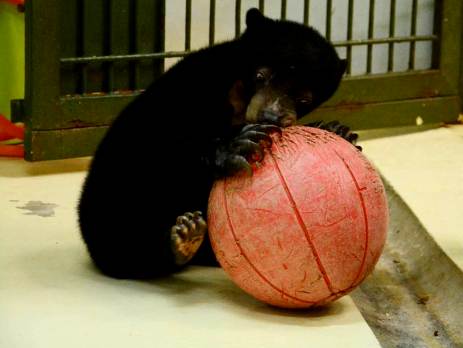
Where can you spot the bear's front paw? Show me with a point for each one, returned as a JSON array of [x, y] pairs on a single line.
[[187, 235], [338, 129], [245, 149]]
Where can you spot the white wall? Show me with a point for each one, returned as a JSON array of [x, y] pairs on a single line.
[[225, 19]]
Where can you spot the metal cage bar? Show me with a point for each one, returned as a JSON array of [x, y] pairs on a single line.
[[108, 45], [237, 18], [212, 22], [329, 6], [188, 25], [262, 6], [176, 54], [306, 12], [411, 60], [392, 11], [284, 7], [82, 85], [350, 25], [371, 25], [437, 30], [133, 78]]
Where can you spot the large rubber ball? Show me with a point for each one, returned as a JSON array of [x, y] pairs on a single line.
[[307, 227]]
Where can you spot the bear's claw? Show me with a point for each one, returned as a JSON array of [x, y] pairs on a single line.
[[244, 149], [338, 129]]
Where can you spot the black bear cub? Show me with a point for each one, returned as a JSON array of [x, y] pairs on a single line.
[[143, 204]]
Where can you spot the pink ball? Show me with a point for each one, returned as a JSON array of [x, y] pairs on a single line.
[[307, 227]]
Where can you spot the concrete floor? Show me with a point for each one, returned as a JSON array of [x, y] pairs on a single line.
[[426, 169], [50, 296]]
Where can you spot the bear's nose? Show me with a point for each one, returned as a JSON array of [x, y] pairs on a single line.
[[270, 117]]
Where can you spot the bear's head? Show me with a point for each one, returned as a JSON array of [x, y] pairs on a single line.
[[290, 70]]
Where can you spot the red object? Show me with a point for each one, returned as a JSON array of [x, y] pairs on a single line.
[[307, 227], [9, 130], [16, 2], [12, 150]]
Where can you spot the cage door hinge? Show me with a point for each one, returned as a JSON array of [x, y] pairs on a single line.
[[17, 110]]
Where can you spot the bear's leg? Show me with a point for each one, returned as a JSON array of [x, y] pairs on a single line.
[[134, 221]]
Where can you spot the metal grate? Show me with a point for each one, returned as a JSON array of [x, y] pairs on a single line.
[[86, 59], [387, 39], [113, 46]]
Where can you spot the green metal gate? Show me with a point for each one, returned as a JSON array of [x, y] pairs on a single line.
[[85, 59]]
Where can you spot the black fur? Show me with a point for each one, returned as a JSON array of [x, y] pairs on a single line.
[[163, 152]]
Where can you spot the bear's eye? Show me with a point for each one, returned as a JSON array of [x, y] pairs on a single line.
[[306, 99]]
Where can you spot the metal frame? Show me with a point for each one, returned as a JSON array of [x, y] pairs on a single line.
[[71, 125], [57, 125], [397, 99]]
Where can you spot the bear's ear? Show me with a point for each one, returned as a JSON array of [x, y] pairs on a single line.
[[254, 18]]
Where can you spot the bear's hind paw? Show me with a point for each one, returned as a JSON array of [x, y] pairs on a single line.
[[187, 235]]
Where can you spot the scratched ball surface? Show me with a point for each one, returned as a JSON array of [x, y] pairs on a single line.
[[307, 227]]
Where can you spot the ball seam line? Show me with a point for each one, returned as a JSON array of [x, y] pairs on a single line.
[[365, 218], [232, 230], [302, 225]]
